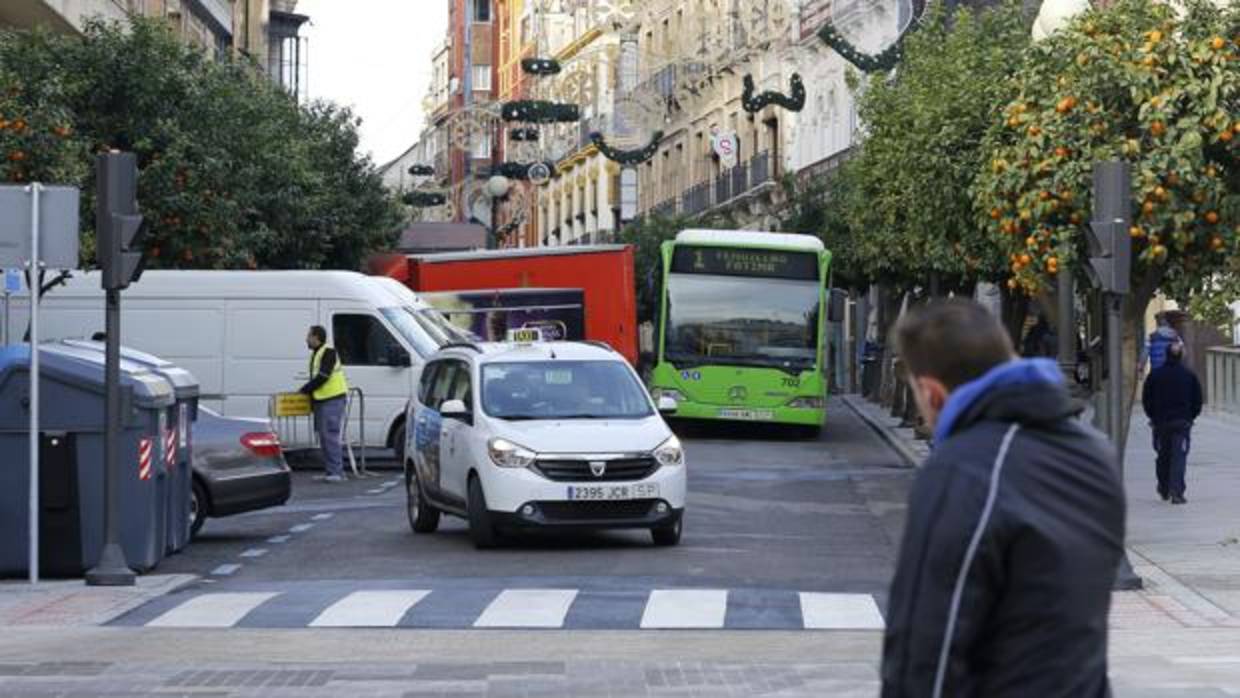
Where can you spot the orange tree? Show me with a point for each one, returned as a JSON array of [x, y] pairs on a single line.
[[1137, 81]]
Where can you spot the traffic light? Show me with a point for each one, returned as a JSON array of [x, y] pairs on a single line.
[[1110, 248], [119, 228]]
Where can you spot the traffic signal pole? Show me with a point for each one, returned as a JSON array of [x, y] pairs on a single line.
[[1110, 269], [118, 235]]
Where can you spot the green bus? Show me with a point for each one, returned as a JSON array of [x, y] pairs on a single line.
[[741, 325]]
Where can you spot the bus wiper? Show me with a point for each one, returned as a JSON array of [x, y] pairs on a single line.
[[520, 417], [582, 416]]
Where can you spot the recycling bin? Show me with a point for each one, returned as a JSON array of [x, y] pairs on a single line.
[[71, 475], [176, 437]]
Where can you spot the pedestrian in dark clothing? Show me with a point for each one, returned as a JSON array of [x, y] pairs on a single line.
[[1172, 401], [1160, 339], [1015, 525], [1041, 340]]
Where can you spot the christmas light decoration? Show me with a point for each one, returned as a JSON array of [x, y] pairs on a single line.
[[627, 157], [540, 66], [795, 101], [421, 170], [885, 60], [540, 112]]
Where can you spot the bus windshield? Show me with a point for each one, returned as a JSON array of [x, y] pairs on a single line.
[[742, 321]]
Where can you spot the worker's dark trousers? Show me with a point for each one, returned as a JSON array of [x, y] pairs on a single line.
[[1171, 442]]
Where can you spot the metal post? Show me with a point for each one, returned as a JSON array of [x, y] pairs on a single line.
[[35, 190], [1126, 578], [113, 569], [1067, 325]]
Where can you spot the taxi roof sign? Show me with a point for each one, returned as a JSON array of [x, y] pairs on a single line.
[[525, 335]]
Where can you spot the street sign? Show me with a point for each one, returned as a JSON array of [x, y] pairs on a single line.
[[12, 281], [726, 146], [58, 226]]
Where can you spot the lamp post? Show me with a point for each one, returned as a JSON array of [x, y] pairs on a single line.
[[497, 187]]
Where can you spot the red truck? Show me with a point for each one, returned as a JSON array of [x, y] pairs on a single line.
[[604, 273]]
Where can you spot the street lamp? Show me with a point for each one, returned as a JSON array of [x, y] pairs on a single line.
[[497, 187]]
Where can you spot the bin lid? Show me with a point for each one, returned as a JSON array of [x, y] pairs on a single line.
[[85, 368], [184, 384]]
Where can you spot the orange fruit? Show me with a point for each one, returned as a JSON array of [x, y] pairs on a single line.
[[1025, 260], [1217, 243], [1236, 127], [1031, 241], [1013, 283], [1147, 207], [1160, 193], [1154, 36], [1075, 219], [1217, 43], [1225, 136], [1034, 131], [1013, 122], [1212, 217], [1158, 128], [1173, 179], [1061, 152], [1136, 232], [1044, 195], [995, 213]]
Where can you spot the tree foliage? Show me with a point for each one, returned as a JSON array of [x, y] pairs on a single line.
[[1142, 82], [907, 198], [233, 172], [647, 237]]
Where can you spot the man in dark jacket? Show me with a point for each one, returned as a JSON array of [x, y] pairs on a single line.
[[1015, 525], [1172, 401]]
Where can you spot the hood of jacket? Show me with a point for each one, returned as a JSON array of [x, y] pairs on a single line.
[[1025, 391]]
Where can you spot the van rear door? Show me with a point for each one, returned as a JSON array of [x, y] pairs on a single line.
[[375, 361]]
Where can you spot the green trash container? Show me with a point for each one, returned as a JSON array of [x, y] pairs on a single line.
[[176, 437], [71, 477]]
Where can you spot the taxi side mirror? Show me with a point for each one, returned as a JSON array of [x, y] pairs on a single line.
[[668, 405], [455, 409]]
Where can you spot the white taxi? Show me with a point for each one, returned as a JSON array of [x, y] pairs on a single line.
[[529, 434]]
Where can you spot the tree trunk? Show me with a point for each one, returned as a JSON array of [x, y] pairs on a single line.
[[890, 302], [1015, 309]]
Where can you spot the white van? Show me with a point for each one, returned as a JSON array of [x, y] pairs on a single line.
[[242, 334]]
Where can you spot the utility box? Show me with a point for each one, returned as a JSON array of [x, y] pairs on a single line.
[[71, 477]]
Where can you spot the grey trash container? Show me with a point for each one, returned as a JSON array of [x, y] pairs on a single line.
[[176, 437], [71, 474]]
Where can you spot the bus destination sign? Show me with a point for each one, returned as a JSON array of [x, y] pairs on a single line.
[[732, 261]]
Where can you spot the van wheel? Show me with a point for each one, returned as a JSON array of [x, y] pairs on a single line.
[[481, 527], [669, 535], [197, 508], [423, 516]]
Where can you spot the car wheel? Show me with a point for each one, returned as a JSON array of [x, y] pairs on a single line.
[[197, 508], [398, 443], [423, 517], [481, 527], [668, 535]]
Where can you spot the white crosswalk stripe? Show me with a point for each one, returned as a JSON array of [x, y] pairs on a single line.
[[222, 610], [369, 609], [527, 608], [703, 609], [685, 608], [840, 612]]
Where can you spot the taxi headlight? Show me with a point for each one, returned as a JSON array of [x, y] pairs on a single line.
[[670, 453], [506, 454]]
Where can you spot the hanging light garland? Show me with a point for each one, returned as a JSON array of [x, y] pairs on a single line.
[[540, 112], [869, 63], [794, 101], [540, 66], [525, 170], [627, 157], [425, 199], [421, 170]]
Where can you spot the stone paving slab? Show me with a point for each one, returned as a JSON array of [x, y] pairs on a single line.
[[71, 602]]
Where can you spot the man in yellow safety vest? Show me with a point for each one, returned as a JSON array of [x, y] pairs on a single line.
[[327, 390]]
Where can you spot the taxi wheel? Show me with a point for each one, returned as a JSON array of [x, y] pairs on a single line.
[[423, 516], [481, 527], [668, 535]]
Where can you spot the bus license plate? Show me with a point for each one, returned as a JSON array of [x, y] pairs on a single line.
[[603, 493], [748, 415]]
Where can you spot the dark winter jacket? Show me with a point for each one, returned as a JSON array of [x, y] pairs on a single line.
[[1172, 395], [1032, 611]]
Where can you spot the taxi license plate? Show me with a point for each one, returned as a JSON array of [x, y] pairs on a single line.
[[602, 493], [748, 415]]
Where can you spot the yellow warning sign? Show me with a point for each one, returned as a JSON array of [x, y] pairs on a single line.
[[292, 405]]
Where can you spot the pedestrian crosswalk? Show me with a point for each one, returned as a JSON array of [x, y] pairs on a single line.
[[545, 608]]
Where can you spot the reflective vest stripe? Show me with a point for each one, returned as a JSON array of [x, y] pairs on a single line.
[[336, 384]]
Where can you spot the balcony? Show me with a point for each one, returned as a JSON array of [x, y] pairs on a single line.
[[667, 207], [696, 199]]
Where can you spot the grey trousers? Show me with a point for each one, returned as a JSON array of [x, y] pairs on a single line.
[[329, 423]]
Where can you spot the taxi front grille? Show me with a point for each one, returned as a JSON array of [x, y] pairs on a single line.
[[622, 470], [597, 511]]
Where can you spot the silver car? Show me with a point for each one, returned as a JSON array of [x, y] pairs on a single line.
[[238, 467]]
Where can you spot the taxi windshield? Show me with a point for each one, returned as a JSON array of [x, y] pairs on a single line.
[[563, 390]]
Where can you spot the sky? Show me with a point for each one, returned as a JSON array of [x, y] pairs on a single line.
[[375, 56]]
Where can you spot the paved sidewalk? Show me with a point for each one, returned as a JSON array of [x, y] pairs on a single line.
[[63, 603]]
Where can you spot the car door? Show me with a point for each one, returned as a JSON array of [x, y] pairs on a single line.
[[376, 362], [454, 452], [428, 425]]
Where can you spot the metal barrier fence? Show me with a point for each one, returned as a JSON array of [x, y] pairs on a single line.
[[1223, 378], [294, 424]]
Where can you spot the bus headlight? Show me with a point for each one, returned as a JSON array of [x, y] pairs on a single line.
[[506, 454], [807, 403], [667, 392], [670, 453]]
